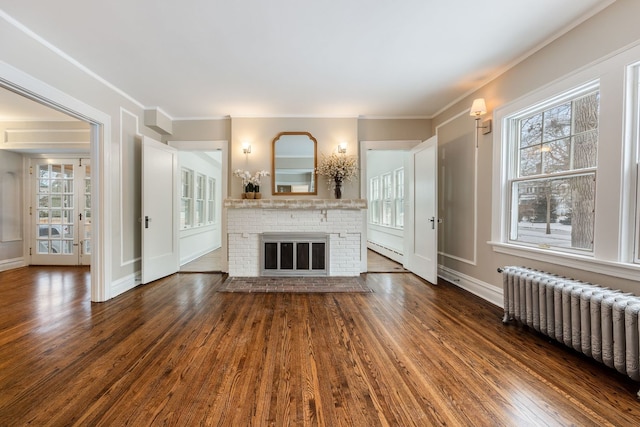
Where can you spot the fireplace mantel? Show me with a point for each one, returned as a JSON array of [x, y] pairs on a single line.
[[313, 204]]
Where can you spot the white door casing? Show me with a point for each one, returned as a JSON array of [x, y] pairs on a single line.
[[160, 248], [421, 227]]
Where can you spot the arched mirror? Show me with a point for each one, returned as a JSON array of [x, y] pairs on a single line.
[[293, 164]]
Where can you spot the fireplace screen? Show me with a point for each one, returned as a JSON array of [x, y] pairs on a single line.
[[294, 254]]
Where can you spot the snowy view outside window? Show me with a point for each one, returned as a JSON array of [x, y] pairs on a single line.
[[553, 187]]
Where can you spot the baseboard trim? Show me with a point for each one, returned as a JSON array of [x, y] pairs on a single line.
[[10, 264], [124, 284], [194, 256], [477, 287]]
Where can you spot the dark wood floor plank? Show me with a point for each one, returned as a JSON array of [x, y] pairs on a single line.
[[176, 352]]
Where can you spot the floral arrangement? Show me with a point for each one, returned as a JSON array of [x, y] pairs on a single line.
[[338, 168], [250, 183]]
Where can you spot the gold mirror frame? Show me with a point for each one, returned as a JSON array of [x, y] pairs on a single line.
[[274, 172]]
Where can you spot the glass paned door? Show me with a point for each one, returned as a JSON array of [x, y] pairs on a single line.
[[61, 212]]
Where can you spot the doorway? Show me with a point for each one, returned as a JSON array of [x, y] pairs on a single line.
[[204, 170], [23, 87], [385, 225]]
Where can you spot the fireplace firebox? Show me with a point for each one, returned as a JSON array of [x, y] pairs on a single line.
[[294, 254]]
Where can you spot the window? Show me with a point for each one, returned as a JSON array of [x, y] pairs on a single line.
[[198, 199], [374, 198], [186, 205], [386, 199], [200, 194], [387, 195], [553, 154], [211, 200], [399, 197]]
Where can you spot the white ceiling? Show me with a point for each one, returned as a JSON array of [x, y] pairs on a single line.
[[330, 58]]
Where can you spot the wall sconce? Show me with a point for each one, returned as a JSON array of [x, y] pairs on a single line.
[[342, 147], [479, 108], [246, 148]]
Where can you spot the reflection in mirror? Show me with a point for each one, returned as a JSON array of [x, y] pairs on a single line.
[[294, 164]]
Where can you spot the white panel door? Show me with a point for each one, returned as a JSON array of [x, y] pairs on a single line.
[[160, 249], [421, 227]]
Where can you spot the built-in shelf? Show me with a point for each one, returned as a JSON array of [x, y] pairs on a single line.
[[295, 203]]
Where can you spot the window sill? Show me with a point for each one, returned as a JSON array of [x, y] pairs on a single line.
[[581, 262]]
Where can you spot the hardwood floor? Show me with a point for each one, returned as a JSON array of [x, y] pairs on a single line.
[[176, 352], [377, 263], [210, 262]]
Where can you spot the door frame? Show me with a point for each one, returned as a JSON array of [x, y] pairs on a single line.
[[23, 84], [393, 145]]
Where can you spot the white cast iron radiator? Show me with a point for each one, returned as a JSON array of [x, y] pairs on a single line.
[[601, 323]]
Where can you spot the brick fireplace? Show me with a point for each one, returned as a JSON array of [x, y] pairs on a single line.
[[296, 227]]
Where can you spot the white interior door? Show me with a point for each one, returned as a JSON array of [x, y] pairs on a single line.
[[421, 227], [160, 249], [60, 212]]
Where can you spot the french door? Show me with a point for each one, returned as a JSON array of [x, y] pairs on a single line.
[[60, 212]]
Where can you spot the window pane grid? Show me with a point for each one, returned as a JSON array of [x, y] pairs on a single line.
[[55, 210]]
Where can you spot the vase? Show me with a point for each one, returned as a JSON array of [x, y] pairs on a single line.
[[250, 195], [258, 195], [338, 188]]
